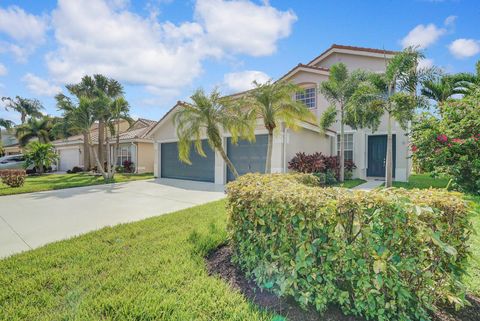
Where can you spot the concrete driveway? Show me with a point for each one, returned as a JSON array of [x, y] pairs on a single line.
[[31, 220]]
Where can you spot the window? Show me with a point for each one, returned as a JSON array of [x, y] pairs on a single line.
[[307, 97], [124, 153], [348, 145]]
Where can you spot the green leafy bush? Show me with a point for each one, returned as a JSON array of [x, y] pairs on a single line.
[[40, 155], [390, 254], [451, 144], [13, 177]]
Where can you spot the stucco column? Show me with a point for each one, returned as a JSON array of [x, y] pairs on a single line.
[[220, 171], [277, 151], [156, 159]]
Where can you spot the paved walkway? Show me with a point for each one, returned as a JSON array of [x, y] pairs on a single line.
[[369, 185], [31, 220]]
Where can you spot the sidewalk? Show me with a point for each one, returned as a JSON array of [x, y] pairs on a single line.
[[369, 185]]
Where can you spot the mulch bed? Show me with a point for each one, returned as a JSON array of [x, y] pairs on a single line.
[[219, 264]]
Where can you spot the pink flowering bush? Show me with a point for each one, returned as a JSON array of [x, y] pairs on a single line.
[[451, 145]]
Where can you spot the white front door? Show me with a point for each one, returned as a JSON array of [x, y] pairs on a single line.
[[69, 158]]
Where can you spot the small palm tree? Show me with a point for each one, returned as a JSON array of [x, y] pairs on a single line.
[[338, 90], [443, 88], [40, 155], [210, 115], [395, 94], [26, 107], [6, 124], [34, 128], [273, 102], [118, 110]]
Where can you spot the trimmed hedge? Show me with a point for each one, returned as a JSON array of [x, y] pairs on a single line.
[[13, 177], [390, 254]]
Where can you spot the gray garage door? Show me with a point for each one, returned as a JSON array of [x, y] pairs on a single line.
[[201, 169], [247, 157]]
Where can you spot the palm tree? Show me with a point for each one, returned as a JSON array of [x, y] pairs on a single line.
[[26, 107], [118, 110], [67, 106], [338, 90], [34, 128], [6, 124], [443, 88], [394, 92], [210, 115], [273, 103], [81, 117], [95, 88]]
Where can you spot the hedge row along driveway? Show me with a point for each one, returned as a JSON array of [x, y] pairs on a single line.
[[391, 254]]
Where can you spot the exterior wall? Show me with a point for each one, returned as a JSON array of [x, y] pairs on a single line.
[[360, 141], [78, 147], [353, 62], [310, 79], [307, 141], [145, 157]]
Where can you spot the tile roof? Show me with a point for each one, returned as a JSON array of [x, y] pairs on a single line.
[[129, 134], [354, 48]]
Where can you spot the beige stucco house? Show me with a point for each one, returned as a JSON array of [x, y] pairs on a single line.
[[134, 146], [367, 149]]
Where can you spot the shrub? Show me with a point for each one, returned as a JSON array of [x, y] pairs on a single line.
[[303, 163], [13, 177], [40, 155], [128, 166], [75, 170], [451, 144], [319, 163], [386, 254]]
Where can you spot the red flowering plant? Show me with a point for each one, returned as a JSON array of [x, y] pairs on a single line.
[[450, 145]]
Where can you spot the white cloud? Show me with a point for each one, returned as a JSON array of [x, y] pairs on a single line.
[[422, 36], [240, 81], [464, 48], [425, 63], [94, 36], [26, 31], [450, 21], [244, 27], [3, 70], [40, 86]]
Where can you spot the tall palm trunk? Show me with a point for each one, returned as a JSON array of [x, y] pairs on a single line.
[[227, 160], [268, 161], [86, 153], [101, 141], [389, 158], [341, 175], [95, 156]]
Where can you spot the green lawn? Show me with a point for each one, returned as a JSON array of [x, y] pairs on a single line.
[[423, 181], [148, 270], [350, 183], [59, 181]]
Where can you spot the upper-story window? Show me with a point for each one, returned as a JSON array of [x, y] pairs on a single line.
[[308, 97]]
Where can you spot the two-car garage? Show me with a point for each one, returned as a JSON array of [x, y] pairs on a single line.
[[246, 157]]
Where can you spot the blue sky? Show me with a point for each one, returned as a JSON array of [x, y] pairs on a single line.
[[162, 50]]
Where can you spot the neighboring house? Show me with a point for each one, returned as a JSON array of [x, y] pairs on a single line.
[[365, 148], [134, 147], [10, 143]]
